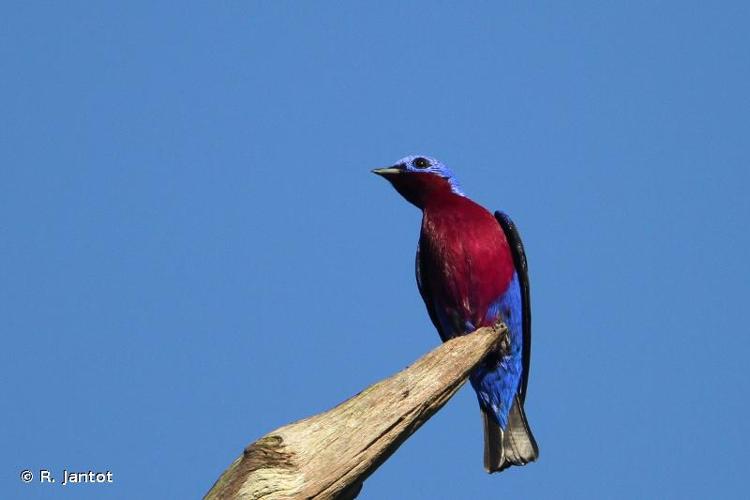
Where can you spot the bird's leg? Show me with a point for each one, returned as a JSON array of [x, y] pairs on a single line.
[[504, 345]]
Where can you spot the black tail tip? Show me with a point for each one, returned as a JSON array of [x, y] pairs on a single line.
[[513, 446]]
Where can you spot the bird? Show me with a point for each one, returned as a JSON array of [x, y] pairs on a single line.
[[472, 272]]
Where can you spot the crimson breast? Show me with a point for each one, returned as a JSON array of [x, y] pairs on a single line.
[[464, 264]]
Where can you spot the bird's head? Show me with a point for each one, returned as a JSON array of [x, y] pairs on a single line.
[[419, 178]]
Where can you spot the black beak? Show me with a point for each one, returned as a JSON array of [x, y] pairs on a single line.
[[388, 171]]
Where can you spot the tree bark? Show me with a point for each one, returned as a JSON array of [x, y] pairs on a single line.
[[328, 456]]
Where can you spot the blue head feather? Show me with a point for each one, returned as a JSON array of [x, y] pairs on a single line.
[[434, 166]]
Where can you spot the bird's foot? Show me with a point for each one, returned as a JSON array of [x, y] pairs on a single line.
[[504, 343]]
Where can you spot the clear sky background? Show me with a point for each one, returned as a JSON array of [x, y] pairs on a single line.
[[193, 251]]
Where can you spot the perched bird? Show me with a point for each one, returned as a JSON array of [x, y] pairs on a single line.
[[471, 272]]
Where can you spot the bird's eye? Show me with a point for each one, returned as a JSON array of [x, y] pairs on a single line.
[[421, 162]]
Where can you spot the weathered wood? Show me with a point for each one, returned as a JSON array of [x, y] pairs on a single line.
[[328, 456]]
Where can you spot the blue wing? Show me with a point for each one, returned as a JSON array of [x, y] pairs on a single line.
[[522, 269]]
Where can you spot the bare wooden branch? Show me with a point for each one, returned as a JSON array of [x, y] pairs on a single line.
[[328, 456]]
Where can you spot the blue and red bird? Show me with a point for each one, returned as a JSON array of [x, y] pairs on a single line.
[[471, 272]]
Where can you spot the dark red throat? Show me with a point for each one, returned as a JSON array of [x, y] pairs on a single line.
[[420, 188]]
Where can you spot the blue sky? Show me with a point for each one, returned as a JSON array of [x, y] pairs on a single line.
[[193, 251]]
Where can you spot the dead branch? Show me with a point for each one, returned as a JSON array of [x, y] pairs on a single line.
[[328, 456]]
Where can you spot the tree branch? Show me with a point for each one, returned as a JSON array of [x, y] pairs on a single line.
[[328, 456]]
